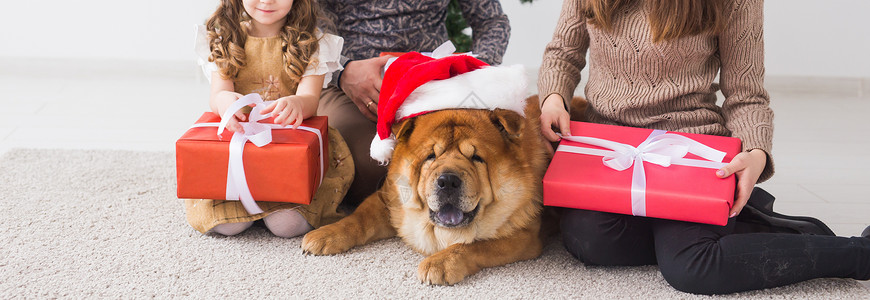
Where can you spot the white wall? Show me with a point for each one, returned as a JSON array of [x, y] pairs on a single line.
[[102, 29], [817, 38], [803, 37]]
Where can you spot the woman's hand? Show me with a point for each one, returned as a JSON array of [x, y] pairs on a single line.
[[554, 115], [221, 102], [748, 167], [286, 110]]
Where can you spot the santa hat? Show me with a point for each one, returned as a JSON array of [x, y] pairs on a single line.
[[415, 84]]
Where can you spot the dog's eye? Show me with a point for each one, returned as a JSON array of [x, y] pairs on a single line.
[[430, 157], [476, 158]]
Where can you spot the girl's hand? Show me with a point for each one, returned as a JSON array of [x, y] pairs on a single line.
[[222, 101], [286, 110], [748, 167], [554, 115]]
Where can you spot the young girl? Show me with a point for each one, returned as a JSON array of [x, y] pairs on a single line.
[[272, 47], [653, 65]]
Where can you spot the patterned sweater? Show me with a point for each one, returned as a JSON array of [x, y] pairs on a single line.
[[370, 27], [667, 85]]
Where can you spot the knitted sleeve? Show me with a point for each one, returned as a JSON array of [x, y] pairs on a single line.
[[565, 55], [747, 105], [490, 29]]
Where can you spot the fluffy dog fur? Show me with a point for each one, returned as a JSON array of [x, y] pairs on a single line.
[[463, 188]]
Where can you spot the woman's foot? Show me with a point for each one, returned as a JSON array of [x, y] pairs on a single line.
[[229, 229], [287, 223], [758, 216], [761, 199]]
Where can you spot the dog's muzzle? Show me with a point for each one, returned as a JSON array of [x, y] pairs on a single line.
[[449, 193]]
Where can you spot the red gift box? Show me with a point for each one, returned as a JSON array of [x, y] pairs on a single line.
[[396, 54], [686, 188], [289, 169]]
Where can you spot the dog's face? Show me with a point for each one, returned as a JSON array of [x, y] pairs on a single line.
[[452, 181], [458, 162]]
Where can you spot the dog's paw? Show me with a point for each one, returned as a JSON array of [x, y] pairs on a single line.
[[442, 268], [327, 240]]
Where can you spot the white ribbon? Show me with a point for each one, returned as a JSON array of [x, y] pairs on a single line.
[[659, 148], [444, 50], [260, 134]]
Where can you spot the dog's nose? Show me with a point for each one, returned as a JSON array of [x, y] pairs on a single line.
[[449, 182]]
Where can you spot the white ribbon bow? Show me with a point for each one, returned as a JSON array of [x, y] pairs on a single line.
[[659, 148], [260, 134]]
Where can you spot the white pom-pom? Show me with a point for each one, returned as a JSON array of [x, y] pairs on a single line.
[[382, 150]]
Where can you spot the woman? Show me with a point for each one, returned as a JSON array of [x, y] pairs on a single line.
[[653, 65]]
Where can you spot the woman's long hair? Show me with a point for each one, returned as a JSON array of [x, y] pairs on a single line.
[[669, 19], [227, 37]]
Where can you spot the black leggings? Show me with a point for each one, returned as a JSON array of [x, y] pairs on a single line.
[[710, 259]]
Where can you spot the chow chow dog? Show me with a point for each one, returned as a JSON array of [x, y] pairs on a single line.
[[463, 188]]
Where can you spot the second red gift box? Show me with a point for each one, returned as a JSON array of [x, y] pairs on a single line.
[[642, 172]]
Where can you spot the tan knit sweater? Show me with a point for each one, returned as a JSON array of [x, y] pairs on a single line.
[[667, 85]]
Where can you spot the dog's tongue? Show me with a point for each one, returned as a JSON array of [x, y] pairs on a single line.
[[450, 215]]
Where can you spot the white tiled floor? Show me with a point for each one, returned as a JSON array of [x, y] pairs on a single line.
[[820, 144]]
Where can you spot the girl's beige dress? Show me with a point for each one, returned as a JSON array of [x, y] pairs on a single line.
[[264, 74]]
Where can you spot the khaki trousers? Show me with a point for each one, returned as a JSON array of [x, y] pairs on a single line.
[[358, 131]]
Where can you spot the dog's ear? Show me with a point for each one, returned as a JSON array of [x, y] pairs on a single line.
[[406, 127], [508, 122]]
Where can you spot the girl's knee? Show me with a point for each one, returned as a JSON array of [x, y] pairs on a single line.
[[229, 229], [287, 223]]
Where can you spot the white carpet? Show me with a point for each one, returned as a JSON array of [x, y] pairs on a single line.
[[107, 224]]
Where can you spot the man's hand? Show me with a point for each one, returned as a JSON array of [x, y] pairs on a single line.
[[361, 81], [748, 167]]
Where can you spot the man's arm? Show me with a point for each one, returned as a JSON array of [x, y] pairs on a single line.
[[490, 28]]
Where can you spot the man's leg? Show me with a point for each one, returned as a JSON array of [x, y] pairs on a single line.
[[358, 132]]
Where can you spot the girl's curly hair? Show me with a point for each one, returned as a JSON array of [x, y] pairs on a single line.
[[227, 36]]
